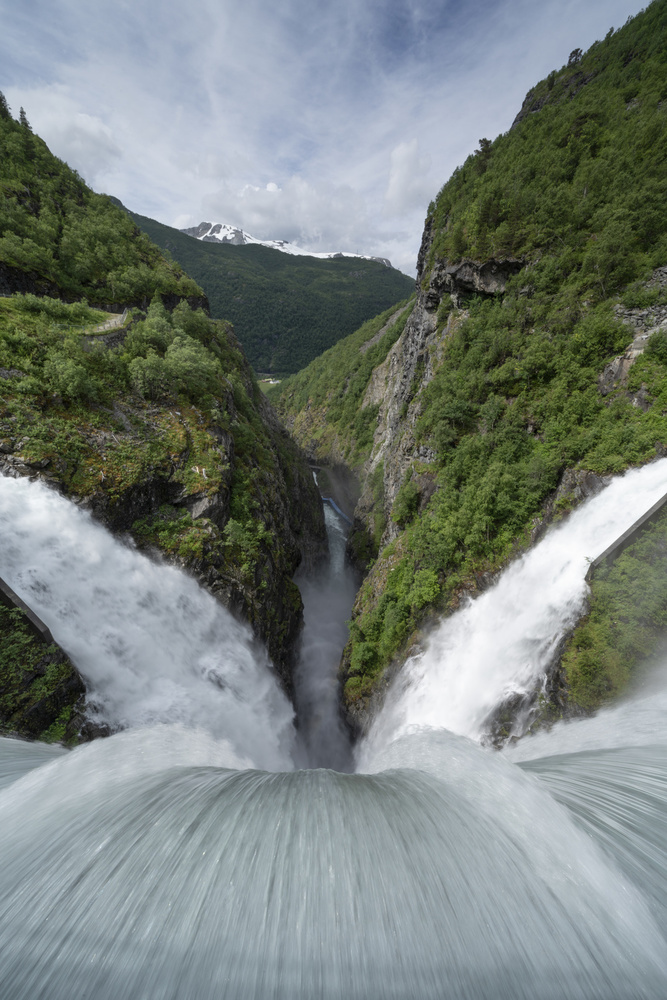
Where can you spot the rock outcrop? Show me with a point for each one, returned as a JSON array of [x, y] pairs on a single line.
[[396, 385], [570, 84], [42, 695], [644, 322], [468, 277]]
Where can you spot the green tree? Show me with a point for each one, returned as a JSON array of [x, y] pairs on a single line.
[[482, 155]]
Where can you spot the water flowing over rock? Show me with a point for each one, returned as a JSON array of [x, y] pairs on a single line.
[[197, 872], [499, 649]]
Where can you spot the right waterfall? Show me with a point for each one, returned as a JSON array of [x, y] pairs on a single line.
[[502, 644]]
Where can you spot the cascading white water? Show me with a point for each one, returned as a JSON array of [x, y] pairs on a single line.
[[158, 865], [502, 643], [151, 644]]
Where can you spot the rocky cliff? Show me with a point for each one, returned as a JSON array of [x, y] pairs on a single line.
[[533, 362], [396, 386], [202, 474]]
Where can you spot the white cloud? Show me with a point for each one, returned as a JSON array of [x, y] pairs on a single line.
[[333, 125], [410, 184], [81, 139], [313, 215]]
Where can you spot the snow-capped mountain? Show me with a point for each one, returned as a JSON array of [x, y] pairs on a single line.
[[220, 232]]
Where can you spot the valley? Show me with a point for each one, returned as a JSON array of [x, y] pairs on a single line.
[[322, 689]]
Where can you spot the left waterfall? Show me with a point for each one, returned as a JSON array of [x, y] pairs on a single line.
[[152, 646]]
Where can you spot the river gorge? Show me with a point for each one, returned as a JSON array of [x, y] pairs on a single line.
[[212, 847]]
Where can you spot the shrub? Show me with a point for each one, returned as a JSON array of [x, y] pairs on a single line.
[[68, 377], [150, 376], [191, 367], [406, 503]]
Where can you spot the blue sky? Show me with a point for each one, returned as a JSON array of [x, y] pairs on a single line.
[[331, 123]]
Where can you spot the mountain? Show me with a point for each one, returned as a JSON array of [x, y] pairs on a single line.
[[531, 365], [220, 232], [152, 420], [58, 237], [286, 309]]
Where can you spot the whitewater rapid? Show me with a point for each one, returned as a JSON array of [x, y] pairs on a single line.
[[186, 857]]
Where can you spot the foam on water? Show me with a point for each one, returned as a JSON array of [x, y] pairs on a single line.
[[131, 868], [161, 864]]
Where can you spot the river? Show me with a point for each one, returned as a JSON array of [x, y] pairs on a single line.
[[214, 849]]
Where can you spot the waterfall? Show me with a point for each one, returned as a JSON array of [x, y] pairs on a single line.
[[186, 857], [151, 644], [502, 643]]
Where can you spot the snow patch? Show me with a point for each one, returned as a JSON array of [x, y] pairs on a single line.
[[220, 232]]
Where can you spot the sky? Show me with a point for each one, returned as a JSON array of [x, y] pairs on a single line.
[[329, 123]]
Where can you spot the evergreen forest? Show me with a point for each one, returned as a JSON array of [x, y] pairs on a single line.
[[58, 237], [286, 310]]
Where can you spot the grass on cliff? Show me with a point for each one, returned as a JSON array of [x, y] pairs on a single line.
[[166, 435], [576, 190], [102, 420], [507, 411], [61, 388], [514, 401]]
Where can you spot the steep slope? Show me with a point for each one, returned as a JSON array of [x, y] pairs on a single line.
[[58, 237], [160, 429], [285, 309], [533, 355], [152, 420]]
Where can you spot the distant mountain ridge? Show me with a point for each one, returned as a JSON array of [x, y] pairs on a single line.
[[287, 308], [221, 232]]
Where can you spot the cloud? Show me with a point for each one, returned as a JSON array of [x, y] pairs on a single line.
[[410, 184], [79, 138], [333, 125], [317, 216]]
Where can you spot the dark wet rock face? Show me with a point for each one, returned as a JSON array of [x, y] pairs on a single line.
[[469, 277]]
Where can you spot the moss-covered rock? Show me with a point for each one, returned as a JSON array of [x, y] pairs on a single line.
[[165, 435], [41, 692]]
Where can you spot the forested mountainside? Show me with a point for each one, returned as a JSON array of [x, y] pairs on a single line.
[[153, 421], [286, 310], [532, 364], [57, 237]]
